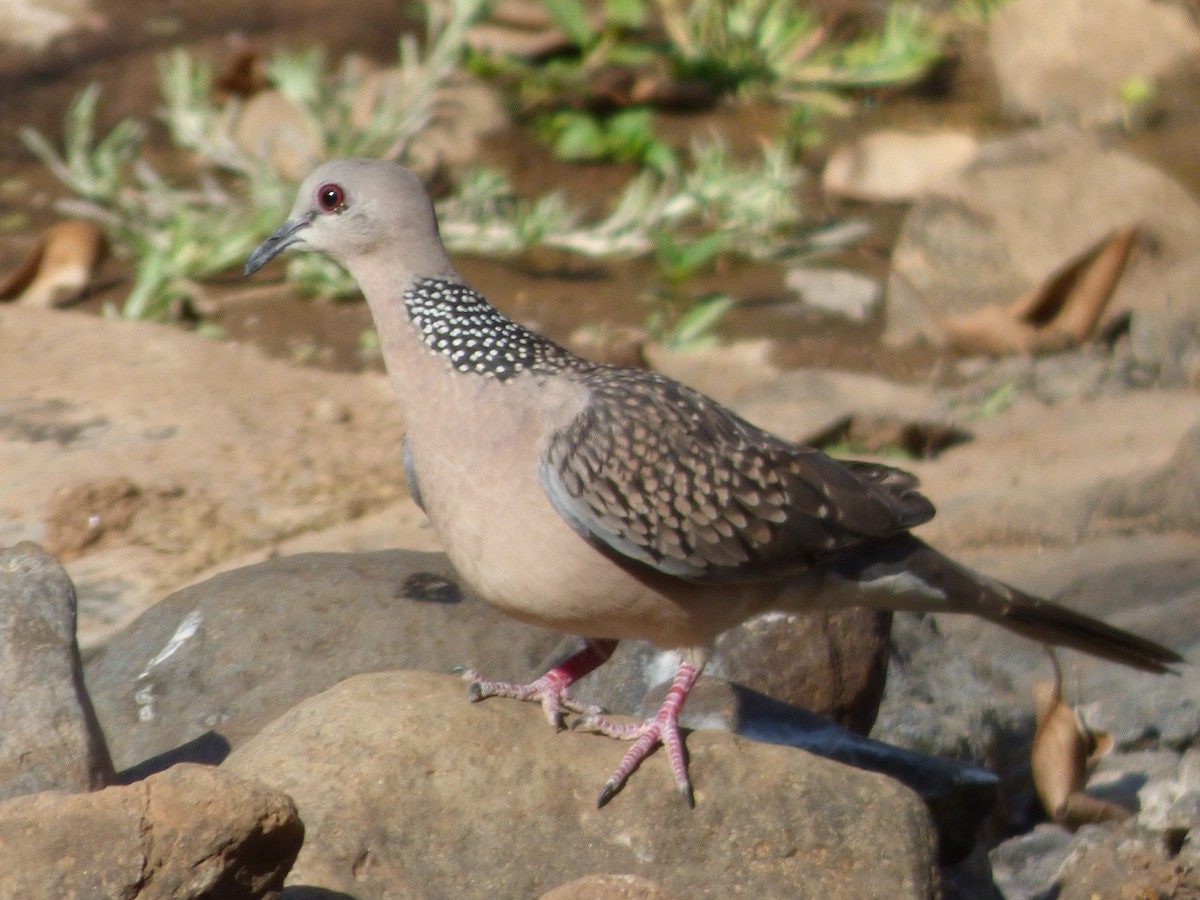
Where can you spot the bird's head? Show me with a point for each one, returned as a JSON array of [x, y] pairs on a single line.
[[359, 209]]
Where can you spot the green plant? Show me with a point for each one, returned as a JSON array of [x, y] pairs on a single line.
[[626, 136], [176, 236], [678, 318]]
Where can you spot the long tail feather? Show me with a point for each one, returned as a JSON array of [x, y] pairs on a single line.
[[906, 573]]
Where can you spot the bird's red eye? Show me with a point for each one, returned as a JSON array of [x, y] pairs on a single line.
[[330, 197]]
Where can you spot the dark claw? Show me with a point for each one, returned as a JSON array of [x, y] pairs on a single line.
[[475, 692], [611, 789], [688, 797]]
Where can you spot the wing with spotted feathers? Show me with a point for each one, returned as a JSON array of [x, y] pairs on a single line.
[[656, 472]]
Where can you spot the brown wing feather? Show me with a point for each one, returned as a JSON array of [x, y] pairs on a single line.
[[658, 473]]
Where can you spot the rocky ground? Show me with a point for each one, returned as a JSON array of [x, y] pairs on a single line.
[[221, 679]]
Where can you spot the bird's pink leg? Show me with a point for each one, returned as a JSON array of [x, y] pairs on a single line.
[[662, 729], [551, 689]]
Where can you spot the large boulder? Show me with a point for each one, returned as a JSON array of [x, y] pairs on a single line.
[[408, 791]]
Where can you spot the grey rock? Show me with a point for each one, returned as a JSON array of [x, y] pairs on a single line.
[[1160, 500], [386, 769], [1157, 600], [50, 738], [190, 832], [233, 652], [1172, 803], [1120, 777], [1025, 867], [1070, 60], [847, 294]]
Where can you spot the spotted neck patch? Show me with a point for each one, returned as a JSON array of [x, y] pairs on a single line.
[[476, 337]]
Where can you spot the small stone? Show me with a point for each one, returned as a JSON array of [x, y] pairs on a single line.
[[896, 166], [49, 739], [846, 294]]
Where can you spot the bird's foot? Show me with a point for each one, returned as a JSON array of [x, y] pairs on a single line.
[[551, 689], [662, 729]]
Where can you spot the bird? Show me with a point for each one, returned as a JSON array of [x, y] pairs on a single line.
[[615, 503]]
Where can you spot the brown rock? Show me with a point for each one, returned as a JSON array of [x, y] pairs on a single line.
[[407, 790], [834, 664], [189, 832], [1121, 868], [49, 736]]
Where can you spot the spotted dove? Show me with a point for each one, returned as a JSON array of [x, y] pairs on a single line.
[[615, 503]]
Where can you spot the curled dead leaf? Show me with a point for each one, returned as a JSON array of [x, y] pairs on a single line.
[[1064, 749], [1061, 312], [58, 268], [244, 73]]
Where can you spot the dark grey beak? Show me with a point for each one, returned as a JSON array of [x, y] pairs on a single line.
[[274, 245]]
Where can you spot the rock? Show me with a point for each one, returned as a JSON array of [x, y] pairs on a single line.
[[221, 469], [959, 797], [1156, 599], [941, 703], [1042, 475], [466, 109], [1155, 858], [1164, 342], [82, 513], [189, 832], [35, 24], [1172, 801], [1027, 207], [269, 126], [1118, 862], [832, 664], [50, 739], [233, 652], [406, 790], [1163, 499], [1074, 59], [847, 294], [895, 166], [609, 887], [1025, 866]]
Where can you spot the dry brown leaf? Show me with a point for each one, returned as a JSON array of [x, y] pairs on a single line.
[[1061, 312], [1083, 809], [244, 74], [59, 266], [1063, 750]]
